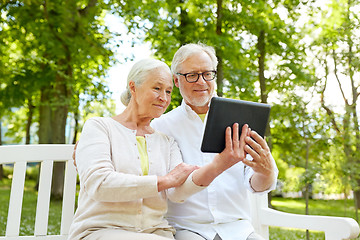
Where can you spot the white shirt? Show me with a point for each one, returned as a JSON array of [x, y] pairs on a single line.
[[113, 191], [223, 207]]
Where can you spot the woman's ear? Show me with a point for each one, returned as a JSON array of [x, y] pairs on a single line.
[[132, 87]]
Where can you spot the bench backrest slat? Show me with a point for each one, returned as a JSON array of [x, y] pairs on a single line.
[[16, 198], [68, 197], [43, 201]]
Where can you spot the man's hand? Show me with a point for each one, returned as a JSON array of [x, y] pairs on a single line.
[[233, 153], [262, 162]]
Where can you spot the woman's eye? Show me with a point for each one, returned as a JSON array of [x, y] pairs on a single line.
[[168, 92]]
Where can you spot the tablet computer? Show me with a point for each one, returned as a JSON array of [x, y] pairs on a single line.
[[224, 112]]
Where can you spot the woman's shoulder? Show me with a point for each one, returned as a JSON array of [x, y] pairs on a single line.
[[94, 120], [99, 122]]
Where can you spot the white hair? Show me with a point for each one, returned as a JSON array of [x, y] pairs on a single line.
[[187, 50], [139, 73]]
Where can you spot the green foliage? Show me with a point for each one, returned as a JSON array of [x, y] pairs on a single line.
[[292, 177], [56, 52], [336, 49]]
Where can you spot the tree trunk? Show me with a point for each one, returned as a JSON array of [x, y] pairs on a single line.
[[307, 185], [45, 114], [53, 115], [263, 92], [29, 121], [1, 166], [59, 117], [76, 127], [262, 54], [357, 202], [184, 23], [219, 54], [44, 132]]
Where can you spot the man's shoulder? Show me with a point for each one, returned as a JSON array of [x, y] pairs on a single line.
[[168, 117]]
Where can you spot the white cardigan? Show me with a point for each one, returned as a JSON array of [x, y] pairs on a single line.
[[113, 192]]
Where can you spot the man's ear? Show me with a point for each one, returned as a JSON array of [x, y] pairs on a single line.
[[176, 80]]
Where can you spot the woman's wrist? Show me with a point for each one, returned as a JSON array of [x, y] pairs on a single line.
[[163, 183]]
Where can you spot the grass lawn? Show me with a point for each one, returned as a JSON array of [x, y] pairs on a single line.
[[28, 210], [317, 207]]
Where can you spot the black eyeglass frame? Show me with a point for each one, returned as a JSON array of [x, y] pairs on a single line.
[[198, 76]]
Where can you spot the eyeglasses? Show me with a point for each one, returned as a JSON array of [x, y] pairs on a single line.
[[194, 77]]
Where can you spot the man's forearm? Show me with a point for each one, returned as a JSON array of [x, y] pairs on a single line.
[[260, 182], [206, 174]]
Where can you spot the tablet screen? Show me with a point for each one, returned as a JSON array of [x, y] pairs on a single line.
[[224, 112]]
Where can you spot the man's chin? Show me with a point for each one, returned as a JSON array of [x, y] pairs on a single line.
[[200, 102]]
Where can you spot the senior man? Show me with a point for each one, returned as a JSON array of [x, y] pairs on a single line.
[[222, 211]]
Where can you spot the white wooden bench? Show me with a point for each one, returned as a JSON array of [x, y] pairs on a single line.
[[335, 228]]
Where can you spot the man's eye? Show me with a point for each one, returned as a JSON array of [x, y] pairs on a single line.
[[192, 75]]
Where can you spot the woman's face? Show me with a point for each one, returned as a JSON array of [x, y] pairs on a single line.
[[153, 96]]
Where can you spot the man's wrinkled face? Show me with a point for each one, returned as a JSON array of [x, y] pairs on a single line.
[[197, 94]]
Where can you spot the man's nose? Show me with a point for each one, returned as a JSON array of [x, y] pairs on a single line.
[[201, 79]]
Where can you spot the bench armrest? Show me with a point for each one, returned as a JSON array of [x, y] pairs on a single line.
[[334, 227]]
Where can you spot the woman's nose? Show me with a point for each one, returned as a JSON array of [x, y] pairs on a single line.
[[162, 96]]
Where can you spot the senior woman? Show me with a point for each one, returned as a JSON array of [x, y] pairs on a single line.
[[128, 170]]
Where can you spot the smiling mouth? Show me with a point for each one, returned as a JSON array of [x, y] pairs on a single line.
[[159, 106]]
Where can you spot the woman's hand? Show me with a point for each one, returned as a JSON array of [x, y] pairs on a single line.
[[74, 155], [175, 177]]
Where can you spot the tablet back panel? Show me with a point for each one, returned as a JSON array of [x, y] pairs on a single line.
[[225, 112]]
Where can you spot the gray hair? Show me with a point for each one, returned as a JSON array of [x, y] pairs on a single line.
[[139, 73], [187, 50]]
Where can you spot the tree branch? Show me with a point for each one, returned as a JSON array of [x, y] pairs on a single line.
[[329, 112], [85, 11], [337, 78]]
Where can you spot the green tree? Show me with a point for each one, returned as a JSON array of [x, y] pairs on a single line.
[[337, 50], [58, 50]]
